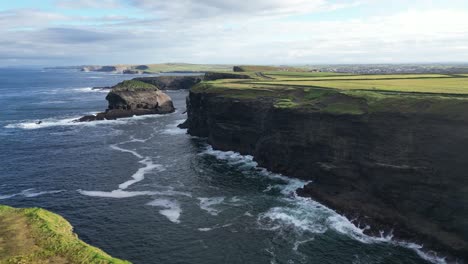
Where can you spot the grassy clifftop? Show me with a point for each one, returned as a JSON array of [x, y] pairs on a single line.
[[131, 85], [439, 94], [34, 235]]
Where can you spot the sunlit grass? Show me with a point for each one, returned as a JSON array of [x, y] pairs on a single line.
[[36, 235]]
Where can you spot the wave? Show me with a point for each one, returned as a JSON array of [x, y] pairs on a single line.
[[172, 129], [90, 90], [304, 216], [140, 174], [120, 194], [172, 209], [207, 204], [29, 193], [70, 121]]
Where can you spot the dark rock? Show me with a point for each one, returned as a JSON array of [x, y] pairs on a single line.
[[133, 72], [393, 171], [130, 102], [172, 82], [238, 69], [142, 67], [213, 76]]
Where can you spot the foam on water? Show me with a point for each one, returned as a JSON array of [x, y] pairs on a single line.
[[134, 153], [303, 215], [140, 174], [172, 129], [118, 194], [29, 193], [90, 90], [172, 209], [208, 204], [70, 121]]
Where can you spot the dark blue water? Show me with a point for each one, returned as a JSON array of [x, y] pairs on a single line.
[[143, 190]]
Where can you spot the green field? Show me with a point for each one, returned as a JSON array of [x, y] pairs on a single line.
[[351, 94], [186, 67], [131, 85], [34, 235], [444, 85]]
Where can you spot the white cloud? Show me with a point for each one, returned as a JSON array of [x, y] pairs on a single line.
[[203, 9], [236, 37], [79, 4]]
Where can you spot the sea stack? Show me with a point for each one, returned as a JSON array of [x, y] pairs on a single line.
[[130, 98]]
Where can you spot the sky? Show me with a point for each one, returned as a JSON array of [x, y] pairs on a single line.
[[76, 32]]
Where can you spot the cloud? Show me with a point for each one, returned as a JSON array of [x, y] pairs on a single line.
[[233, 32], [82, 4], [27, 18], [202, 9]]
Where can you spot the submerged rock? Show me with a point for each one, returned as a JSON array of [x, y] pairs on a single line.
[[130, 98]]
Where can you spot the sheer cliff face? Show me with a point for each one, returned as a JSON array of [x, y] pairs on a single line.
[[392, 170], [136, 101], [140, 99]]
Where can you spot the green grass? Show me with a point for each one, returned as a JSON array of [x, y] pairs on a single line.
[[359, 77], [131, 85], [292, 74], [186, 67], [437, 94], [34, 235], [261, 68], [411, 85]]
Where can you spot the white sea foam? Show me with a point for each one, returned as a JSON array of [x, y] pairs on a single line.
[[90, 90], [303, 215], [172, 209], [134, 153], [172, 129], [119, 194], [70, 121], [301, 242], [30, 193], [208, 204], [140, 174]]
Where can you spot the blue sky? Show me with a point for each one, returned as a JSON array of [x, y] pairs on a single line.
[[65, 32]]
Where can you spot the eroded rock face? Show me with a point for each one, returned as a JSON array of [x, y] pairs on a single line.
[[393, 171], [172, 82], [131, 102]]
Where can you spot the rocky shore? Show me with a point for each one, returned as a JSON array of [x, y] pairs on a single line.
[[400, 171], [131, 98]]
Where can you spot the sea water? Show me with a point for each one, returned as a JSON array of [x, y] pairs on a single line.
[[143, 190]]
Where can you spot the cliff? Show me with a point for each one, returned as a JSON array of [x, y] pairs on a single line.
[[130, 98], [34, 235], [172, 82], [397, 163]]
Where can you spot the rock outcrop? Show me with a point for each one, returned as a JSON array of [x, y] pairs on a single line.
[[213, 76], [405, 172], [131, 98], [172, 82]]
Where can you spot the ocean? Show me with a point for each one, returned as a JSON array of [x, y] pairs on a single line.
[[143, 190]]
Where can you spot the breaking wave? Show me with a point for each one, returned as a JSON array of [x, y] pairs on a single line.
[[71, 121], [172, 129], [90, 90], [302, 215], [171, 209]]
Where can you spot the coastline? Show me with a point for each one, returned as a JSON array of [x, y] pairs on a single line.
[[333, 151]]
